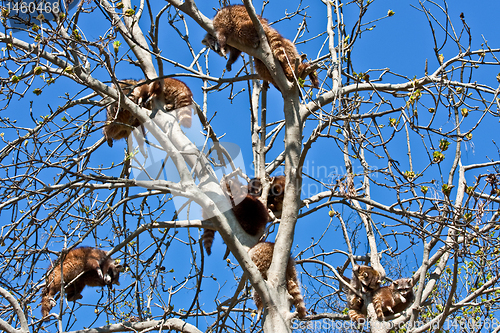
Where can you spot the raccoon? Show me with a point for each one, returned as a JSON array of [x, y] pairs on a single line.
[[249, 212], [177, 95], [364, 279], [356, 311], [287, 60], [98, 271], [233, 22], [394, 298], [213, 44], [354, 302], [262, 255], [121, 122], [276, 192], [255, 187]]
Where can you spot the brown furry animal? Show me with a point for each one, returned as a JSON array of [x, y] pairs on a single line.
[[262, 255], [364, 279], [177, 96], [213, 44], [248, 210], [234, 23], [287, 60], [394, 298], [120, 122], [387, 300], [95, 267], [255, 187], [355, 304], [276, 192]]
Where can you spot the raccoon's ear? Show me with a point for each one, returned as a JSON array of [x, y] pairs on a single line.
[[410, 281], [356, 268], [395, 283], [118, 266]]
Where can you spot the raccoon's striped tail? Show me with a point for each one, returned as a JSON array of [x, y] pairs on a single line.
[[294, 290], [184, 114], [356, 316], [208, 239], [377, 304]]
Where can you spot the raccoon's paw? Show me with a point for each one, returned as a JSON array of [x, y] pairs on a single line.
[[99, 273]]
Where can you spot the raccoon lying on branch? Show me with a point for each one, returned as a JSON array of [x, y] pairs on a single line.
[[234, 23]]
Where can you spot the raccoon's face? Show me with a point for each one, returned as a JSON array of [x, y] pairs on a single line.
[[255, 187], [213, 44], [113, 274], [356, 303], [403, 286], [141, 96], [234, 190], [126, 87], [369, 277]]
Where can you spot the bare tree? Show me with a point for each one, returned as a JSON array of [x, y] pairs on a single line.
[[379, 173]]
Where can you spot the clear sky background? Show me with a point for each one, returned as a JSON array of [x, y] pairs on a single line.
[[402, 43]]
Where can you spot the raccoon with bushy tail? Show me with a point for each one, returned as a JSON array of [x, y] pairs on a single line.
[[262, 255], [120, 122], [233, 22], [82, 266]]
